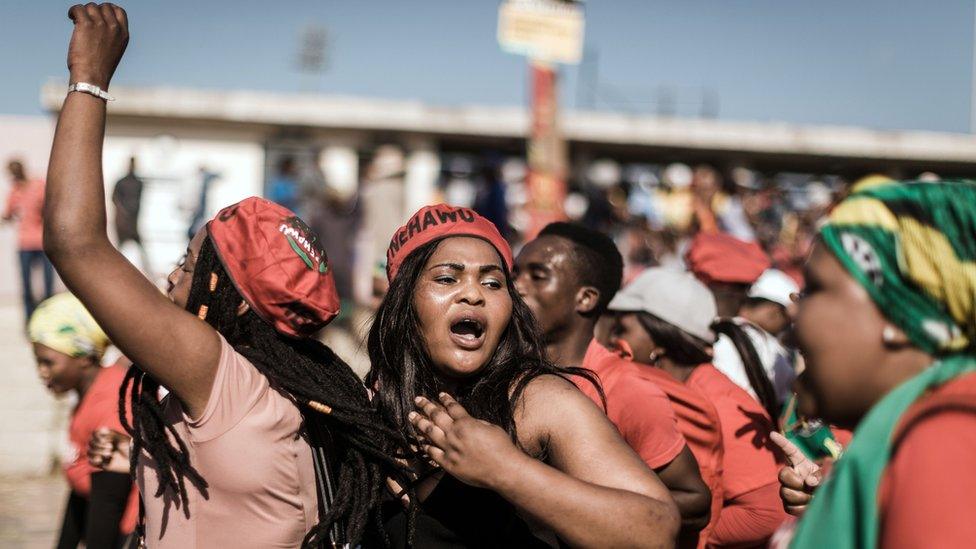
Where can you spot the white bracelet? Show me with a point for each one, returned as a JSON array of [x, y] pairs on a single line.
[[91, 89]]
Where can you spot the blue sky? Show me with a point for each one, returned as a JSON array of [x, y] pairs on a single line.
[[881, 64]]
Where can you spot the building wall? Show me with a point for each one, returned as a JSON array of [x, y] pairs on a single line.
[[170, 160], [33, 424], [27, 138]]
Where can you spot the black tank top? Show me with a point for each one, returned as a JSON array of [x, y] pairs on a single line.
[[456, 515]]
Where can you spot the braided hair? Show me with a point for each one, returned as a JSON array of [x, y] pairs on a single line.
[[334, 403]]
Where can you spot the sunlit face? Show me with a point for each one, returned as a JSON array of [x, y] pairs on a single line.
[[59, 372], [181, 278], [625, 327], [838, 331], [546, 280], [463, 305]]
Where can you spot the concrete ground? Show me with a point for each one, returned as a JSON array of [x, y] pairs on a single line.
[[30, 511], [32, 439]]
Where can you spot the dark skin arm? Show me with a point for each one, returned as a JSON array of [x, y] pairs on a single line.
[[172, 345], [625, 503], [683, 480]]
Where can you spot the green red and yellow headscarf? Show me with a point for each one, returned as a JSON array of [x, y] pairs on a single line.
[[913, 248], [63, 324]]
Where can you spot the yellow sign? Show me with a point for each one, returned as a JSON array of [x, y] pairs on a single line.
[[544, 30]]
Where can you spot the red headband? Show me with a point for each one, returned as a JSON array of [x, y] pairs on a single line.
[[438, 221], [277, 264]]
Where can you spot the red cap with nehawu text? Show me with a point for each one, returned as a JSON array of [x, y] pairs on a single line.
[[277, 264], [440, 221]]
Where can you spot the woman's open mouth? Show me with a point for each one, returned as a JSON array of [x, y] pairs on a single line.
[[468, 333]]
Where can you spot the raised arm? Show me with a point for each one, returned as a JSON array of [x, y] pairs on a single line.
[[595, 491], [172, 345]]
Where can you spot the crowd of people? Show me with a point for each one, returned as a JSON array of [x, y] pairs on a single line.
[[707, 394]]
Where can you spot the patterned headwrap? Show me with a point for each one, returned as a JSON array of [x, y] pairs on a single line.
[[913, 247], [63, 324]]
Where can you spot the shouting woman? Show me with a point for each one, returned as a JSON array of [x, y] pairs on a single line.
[[512, 447]]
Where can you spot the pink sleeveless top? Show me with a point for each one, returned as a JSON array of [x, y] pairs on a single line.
[[247, 444]]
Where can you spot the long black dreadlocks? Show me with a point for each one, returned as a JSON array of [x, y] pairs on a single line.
[[334, 403]]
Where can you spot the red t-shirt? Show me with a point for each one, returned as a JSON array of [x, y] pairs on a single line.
[[751, 460], [98, 408], [928, 491], [698, 421], [637, 407], [26, 203]]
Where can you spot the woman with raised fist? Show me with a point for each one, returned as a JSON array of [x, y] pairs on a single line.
[[267, 438]]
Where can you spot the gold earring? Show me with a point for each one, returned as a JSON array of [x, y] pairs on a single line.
[[202, 313], [213, 282]]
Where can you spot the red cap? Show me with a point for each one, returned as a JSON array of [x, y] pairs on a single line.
[[438, 221], [718, 257], [277, 264]]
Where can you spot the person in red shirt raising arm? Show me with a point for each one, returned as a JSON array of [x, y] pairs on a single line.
[[887, 326], [567, 276]]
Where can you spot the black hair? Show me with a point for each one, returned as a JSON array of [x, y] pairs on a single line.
[[334, 404], [680, 346], [753, 365], [402, 370], [598, 261]]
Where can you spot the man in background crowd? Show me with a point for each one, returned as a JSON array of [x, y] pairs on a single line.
[[25, 205], [127, 199]]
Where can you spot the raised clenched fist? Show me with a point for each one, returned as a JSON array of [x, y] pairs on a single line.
[[97, 43], [109, 450]]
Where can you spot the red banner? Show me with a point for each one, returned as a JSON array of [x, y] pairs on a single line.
[[546, 182]]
